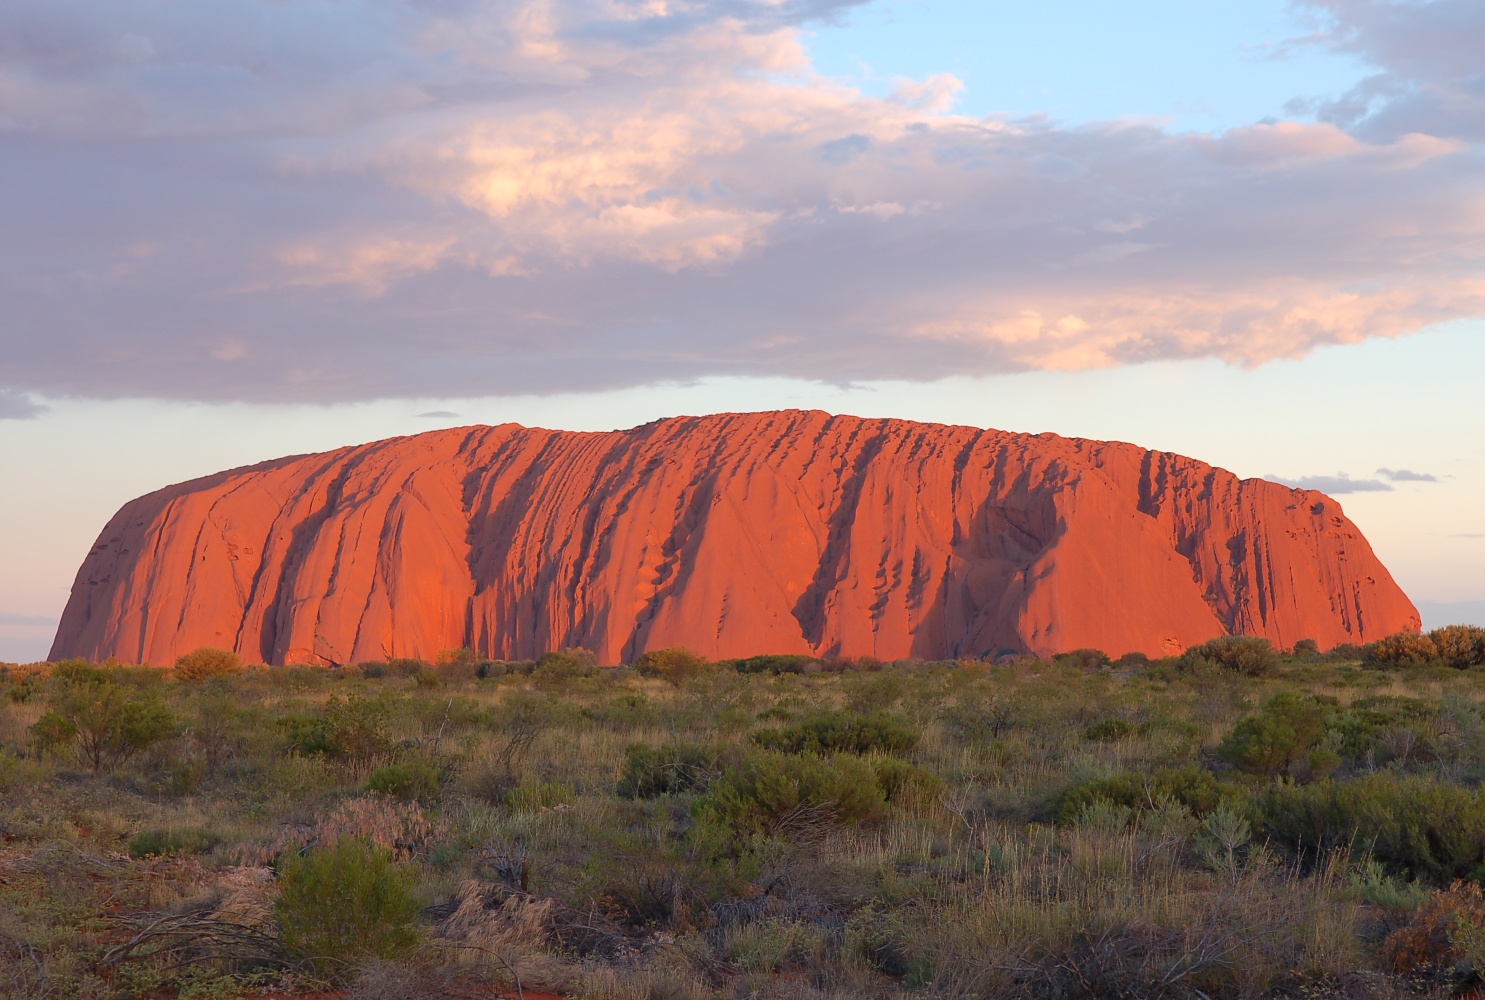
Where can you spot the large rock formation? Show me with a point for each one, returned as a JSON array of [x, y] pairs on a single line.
[[734, 534]]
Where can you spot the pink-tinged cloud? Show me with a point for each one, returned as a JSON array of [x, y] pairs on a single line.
[[369, 198]]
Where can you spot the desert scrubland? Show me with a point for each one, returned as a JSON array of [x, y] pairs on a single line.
[[1234, 822]]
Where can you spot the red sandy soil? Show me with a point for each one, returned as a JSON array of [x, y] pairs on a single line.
[[735, 534]]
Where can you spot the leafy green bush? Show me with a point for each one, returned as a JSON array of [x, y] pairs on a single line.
[[412, 780], [1286, 730], [907, 785], [564, 666], [1402, 649], [355, 729], [1459, 646], [1421, 826], [1250, 656], [100, 721], [776, 663], [1082, 659], [1193, 787], [675, 665], [344, 902], [840, 732], [672, 769], [779, 794], [207, 662]]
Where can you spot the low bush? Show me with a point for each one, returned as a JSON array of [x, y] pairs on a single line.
[[356, 730], [1083, 659], [675, 665], [782, 794], [778, 663], [344, 902], [168, 843], [1459, 646], [207, 662], [1195, 788], [905, 785], [840, 732], [412, 780], [1402, 649], [673, 769], [1430, 829], [1284, 734], [1247, 655]]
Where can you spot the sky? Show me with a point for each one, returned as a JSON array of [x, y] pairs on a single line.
[[1251, 232]]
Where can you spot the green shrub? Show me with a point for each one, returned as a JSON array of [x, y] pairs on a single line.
[[344, 902], [168, 843], [673, 769], [779, 794], [558, 668], [1193, 787], [675, 665], [1420, 826], [1459, 646], [907, 785], [100, 721], [1082, 659], [1287, 730], [777, 663], [840, 732], [1402, 649], [1109, 730], [535, 796], [412, 780], [354, 729], [1306, 649], [1250, 656], [205, 663]]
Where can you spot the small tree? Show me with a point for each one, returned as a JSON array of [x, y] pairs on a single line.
[[344, 902], [101, 722]]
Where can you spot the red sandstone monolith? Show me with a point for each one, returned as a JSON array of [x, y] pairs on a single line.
[[734, 534]]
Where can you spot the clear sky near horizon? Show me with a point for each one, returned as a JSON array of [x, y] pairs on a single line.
[[1248, 232]]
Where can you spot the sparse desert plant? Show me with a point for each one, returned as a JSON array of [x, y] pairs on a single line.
[[410, 780], [100, 721], [672, 769], [207, 662], [346, 901]]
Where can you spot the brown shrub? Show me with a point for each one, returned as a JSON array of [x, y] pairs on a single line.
[[1432, 936], [1460, 646], [1402, 649], [207, 662]]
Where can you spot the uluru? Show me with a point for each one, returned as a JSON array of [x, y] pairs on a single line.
[[733, 534]]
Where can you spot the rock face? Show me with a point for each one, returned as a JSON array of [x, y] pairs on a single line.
[[735, 534]]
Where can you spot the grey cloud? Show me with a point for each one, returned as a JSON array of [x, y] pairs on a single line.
[[438, 415], [1431, 78], [1407, 476], [1335, 485], [18, 406], [368, 200]]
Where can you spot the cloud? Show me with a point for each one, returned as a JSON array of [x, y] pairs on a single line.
[[1407, 476], [18, 406], [438, 415], [368, 199], [1335, 485]]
